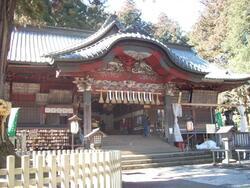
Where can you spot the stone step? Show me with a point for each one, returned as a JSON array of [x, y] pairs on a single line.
[[163, 155], [166, 164], [133, 161], [164, 159]]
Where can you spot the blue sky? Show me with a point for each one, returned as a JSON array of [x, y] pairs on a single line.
[[185, 12]]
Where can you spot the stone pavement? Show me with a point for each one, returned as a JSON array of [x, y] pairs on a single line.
[[190, 176], [137, 144]]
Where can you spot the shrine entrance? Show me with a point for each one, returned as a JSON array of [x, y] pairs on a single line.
[[119, 118], [122, 76]]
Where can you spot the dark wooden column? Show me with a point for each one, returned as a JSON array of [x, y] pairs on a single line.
[[87, 111], [84, 85], [169, 116]]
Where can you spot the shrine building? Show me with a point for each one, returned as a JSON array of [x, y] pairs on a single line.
[[110, 76]]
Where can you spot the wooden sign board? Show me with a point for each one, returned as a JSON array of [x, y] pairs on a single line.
[[210, 128], [225, 129]]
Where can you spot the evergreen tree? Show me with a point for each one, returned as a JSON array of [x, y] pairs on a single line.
[[167, 30], [130, 16], [64, 13], [210, 31], [237, 40]]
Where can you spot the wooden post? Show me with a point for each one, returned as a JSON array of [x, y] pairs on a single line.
[[91, 168], [98, 166], [66, 171], [75, 165], [169, 119], [39, 171], [52, 171], [87, 112], [108, 169], [11, 171], [25, 170], [103, 168], [82, 182]]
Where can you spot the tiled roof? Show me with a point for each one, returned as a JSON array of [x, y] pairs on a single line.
[[186, 59], [217, 73], [29, 44], [89, 40]]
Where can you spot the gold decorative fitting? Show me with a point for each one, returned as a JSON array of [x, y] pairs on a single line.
[[101, 98]]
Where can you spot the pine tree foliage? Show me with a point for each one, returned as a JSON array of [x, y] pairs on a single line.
[[167, 30], [210, 31], [64, 13], [130, 16], [222, 33], [237, 40]]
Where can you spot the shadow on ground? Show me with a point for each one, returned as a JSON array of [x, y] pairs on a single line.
[[167, 184]]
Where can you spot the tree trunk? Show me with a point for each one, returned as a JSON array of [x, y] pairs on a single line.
[[6, 20]]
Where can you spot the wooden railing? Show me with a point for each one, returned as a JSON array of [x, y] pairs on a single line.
[[241, 140], [71, 168]]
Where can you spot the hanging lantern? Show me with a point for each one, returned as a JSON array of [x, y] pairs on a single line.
[[113, 101], [157, 99], [153, 100], [108, 97], [101, 98], [190, 126]]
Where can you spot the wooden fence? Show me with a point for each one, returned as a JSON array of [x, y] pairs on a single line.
[[71, 168], [239, 140]]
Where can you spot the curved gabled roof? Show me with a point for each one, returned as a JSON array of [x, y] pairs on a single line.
[[110, 23], [185, 59], [33, 45]]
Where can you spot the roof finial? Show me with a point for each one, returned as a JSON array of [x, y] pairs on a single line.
[[113, 18]]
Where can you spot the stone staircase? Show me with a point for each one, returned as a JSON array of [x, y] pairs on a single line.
[[148, 152], [152, 160]]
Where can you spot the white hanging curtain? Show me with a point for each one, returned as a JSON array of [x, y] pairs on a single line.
[[177, 110], [243, 119]]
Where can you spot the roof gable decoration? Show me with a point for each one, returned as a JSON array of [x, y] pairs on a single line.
[[138, 67], [191, 62]]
